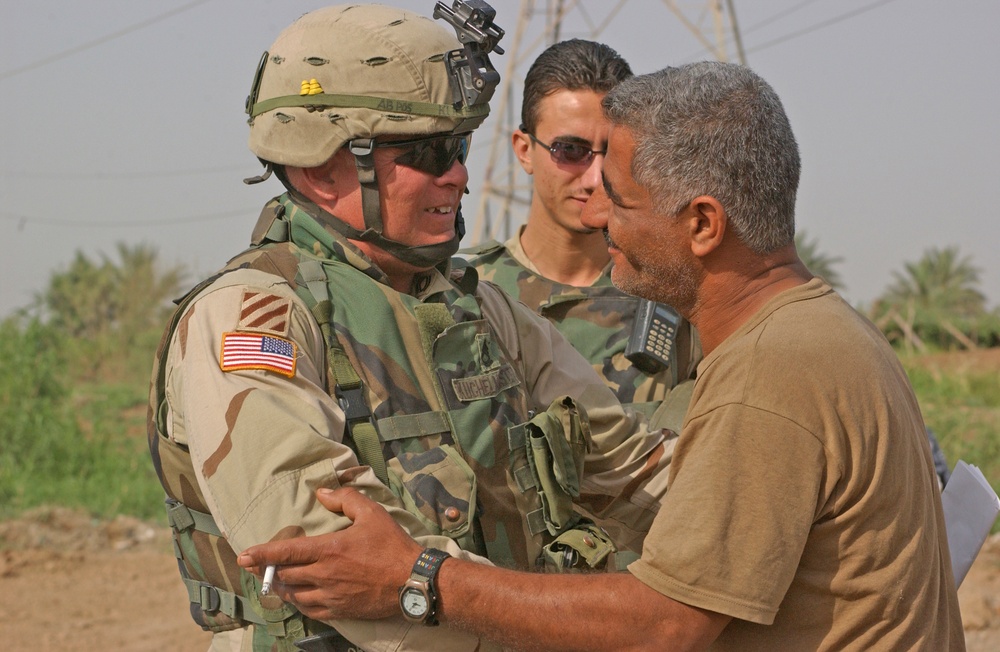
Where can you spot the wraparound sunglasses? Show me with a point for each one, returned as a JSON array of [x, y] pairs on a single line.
[[432, 154]]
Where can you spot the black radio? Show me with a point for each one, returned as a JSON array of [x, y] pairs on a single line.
[[653, 335]]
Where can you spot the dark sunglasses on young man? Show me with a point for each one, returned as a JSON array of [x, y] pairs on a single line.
[[567, 153], [432, 154]]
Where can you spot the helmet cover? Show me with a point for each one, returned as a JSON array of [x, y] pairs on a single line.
[[354, 71]]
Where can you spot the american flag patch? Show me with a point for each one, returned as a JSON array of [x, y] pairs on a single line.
[[256, 351]]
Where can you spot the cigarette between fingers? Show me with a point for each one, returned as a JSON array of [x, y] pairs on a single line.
[[265, 586]]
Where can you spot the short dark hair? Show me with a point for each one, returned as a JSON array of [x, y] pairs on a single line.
[[570, 65]]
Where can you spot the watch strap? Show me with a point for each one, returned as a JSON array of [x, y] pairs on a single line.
[[428, 564], [425, 570]]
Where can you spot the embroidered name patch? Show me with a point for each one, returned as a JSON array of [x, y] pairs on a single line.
[[487, 385], [257, 351]]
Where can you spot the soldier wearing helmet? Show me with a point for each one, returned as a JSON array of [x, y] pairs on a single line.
[[342, 349]]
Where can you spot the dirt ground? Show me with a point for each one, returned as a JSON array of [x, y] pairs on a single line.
[[72, 584]]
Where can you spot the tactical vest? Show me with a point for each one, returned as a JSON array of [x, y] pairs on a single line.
[[434, 404], [597, 319]]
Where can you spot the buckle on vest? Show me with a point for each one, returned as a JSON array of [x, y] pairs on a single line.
[[352, 402], [178, 515], [208, 597]]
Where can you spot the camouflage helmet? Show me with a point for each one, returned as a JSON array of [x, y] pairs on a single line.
[[354, 71]]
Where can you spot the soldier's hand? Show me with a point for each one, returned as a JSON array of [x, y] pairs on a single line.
[[353, 573]]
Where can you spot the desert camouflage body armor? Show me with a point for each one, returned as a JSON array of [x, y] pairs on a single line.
[[457, 441], [597, 319]]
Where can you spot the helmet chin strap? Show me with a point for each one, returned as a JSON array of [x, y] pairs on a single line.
[[423, 256]]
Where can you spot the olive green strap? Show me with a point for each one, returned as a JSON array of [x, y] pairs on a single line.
[[181, 517], [384, 104], [212, 599], [404, 426], [347, 384], [370, 449]]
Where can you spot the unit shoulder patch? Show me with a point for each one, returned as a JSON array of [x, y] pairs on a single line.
[[258, 351], [264, 312]]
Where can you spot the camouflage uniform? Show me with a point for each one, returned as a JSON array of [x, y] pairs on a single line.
[[451, 374], [597, 319]]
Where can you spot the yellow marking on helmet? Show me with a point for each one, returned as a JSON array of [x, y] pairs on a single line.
[[310, 87]]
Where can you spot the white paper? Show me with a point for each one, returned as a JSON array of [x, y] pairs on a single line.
[[970, 509]]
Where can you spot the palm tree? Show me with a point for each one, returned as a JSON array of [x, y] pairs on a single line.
[[143, 290], [79, 300], [818, 263], [89, 299], [936, 297]]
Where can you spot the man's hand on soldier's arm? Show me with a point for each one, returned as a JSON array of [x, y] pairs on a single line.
[[357, 572], [351, 573]]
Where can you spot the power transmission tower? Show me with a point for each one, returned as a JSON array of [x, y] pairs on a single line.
[[506, 190]]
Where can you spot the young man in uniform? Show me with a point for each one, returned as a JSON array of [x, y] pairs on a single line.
[[803, 511], [556, 265], [342, 350]]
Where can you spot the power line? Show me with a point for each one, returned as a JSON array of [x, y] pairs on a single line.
[[804, 30], [778, 16], [820, 25], [100, 41], [153, 174], [249, 168], [23, 220]]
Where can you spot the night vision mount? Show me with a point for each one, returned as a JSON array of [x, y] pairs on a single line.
[[471, 68]]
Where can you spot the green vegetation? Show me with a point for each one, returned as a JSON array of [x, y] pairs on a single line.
[[961, 403], [67, 439], [74, 384], [936, 303]]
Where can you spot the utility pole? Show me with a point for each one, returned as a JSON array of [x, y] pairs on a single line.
[[505, 193]]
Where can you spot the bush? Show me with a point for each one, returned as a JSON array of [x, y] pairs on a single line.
[[962, 405], [63, 443]]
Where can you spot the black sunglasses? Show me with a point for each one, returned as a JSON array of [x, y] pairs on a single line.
[[568, 153], [433, 154]]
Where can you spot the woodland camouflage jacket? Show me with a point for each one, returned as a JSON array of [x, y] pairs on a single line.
[[596, 319], [244, 424]]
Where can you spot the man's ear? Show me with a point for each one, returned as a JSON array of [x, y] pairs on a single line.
[[708, 222], [315, 183], [521, 143]]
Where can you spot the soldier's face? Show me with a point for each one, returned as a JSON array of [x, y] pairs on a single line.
[[561, 186], [417, 207]]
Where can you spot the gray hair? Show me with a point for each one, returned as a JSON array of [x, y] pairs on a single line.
[[714, 129]]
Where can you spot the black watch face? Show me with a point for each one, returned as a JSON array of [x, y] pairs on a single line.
[[413, 602]]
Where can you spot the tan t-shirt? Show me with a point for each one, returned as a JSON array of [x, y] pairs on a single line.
[[802, 498]]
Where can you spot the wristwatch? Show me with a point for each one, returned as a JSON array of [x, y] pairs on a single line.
[[418, 597]]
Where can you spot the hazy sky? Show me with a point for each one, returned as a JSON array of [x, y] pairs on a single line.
[[123, 121]]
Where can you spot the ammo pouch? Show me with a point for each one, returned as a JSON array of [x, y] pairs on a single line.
[[556, 441], [585, 547]]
